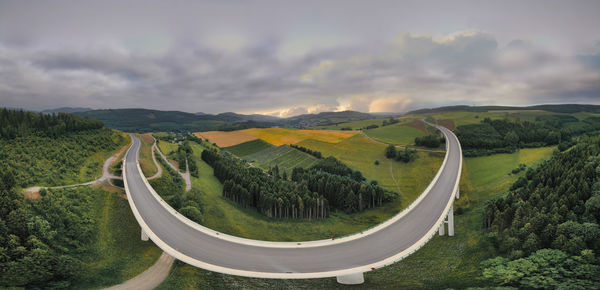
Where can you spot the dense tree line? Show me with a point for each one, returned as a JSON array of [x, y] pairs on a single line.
[[41, 240], [555, 206], [504, 136], [49, 161], [314, 153], [18, 123], [171, 188], [311, 193], [429, 141], [184, 154], [333, 166], [406, 155], [391, 121]]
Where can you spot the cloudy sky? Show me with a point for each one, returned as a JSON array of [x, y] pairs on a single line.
[[287, 58]]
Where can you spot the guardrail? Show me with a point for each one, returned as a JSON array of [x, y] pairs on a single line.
[[268, 244]]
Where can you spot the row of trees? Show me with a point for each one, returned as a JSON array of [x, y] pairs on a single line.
[[406, 155], [429, 141], [310, 194], [504, 136], [555, 206], [314, 153], [18, 123]]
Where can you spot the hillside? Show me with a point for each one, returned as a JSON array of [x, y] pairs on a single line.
[[66, 110], [559, 108], [145, 120], [325, 118]]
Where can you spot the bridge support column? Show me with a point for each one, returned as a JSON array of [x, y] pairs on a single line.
[[457, 193], [144, 236], [351, 279], [441, 230], [451, 221]]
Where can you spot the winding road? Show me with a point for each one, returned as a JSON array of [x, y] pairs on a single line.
[[377, 247]]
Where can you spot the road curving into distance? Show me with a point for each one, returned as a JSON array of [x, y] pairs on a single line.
[[377, 247]]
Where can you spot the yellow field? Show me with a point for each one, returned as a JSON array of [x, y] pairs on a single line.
[[226, 139], [281, 136]]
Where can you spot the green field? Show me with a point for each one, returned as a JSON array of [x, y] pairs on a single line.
[[167, 147], [354, 125], [444, 262], [360, 153], [118, 253], [397, 134], [284, 156], [466, 118], [248, 148], [146, 162]]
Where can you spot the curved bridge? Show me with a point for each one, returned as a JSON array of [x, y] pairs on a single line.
[[346, 258]]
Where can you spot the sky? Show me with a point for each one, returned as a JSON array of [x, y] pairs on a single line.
[[286, 58]]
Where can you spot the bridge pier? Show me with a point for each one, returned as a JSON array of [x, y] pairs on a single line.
[[351, 279], [144, 236], [450, 221], [457, 193]]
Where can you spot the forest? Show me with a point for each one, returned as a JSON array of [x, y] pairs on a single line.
[[171, 188], [311, 193], [505, 136], [18, 123], [555, 206], [43, 149], [42, 240]]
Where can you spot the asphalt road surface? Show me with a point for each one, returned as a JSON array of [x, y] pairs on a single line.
[[315, 261]]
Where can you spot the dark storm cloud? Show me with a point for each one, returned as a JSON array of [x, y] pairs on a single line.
[[271, 58]]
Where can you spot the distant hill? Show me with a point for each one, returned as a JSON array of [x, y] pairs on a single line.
[[66, 110], [325, 118], [234, 117], [144, 120], [559, 108]]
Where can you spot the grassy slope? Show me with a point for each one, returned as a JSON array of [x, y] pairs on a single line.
[[395, 134], [283, 136], [354, 125], [360, 153], [146, 162], [167, 147], [249, 147], [284, 156], [443, 262], [118, 253]]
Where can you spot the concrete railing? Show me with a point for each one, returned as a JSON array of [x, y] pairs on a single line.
[[305, 244]]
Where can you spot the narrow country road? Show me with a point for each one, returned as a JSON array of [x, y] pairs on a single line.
[[150, 278]]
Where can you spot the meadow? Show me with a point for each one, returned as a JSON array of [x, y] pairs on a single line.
[[284, 156], [226, 139], [248, 148], [117, 254], [146, 162], [281, 136], [397, 134]]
